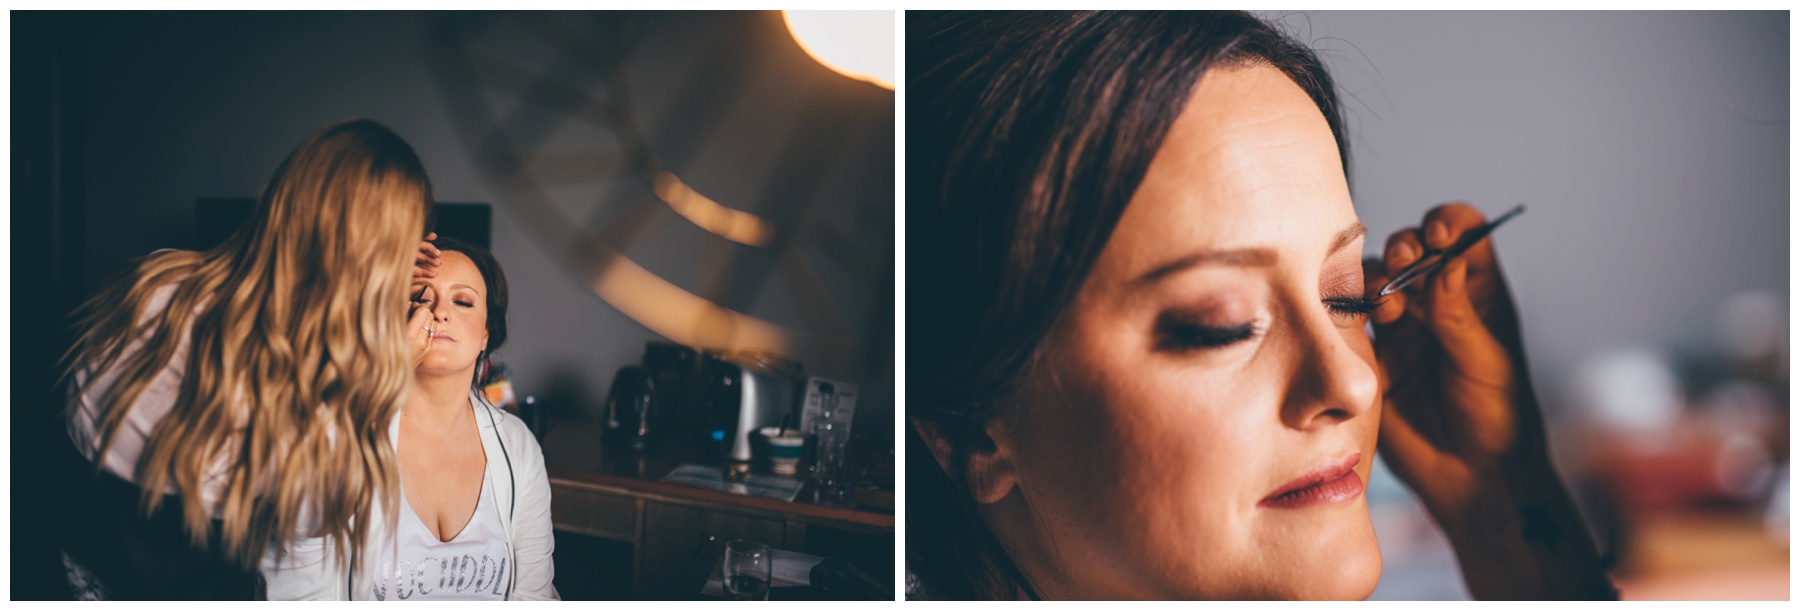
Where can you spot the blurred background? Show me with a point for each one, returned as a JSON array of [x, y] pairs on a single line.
[[685, 204], [1651, 268]]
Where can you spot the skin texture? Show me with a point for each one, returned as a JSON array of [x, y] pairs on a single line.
[[440, 454], [1132, 464]]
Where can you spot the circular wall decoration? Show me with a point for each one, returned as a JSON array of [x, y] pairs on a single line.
[[548, 106]]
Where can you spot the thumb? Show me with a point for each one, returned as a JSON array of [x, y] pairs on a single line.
[[1466, 340]]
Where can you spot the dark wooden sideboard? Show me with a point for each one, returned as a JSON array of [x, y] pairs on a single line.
[[677, 533]]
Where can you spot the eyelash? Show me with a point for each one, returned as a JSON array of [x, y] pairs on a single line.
[[466, 304], [1353, 307], [1179, 336]]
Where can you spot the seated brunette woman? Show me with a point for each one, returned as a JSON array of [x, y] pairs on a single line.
[[1139, 368], [473, 517]]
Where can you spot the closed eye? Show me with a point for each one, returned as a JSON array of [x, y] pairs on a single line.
[[1352, 307], [1176, 335]]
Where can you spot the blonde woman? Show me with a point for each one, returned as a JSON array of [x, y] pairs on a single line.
[[473, 518], [247, 391]]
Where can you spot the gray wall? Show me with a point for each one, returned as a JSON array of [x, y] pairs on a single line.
[[189, 105], [1651, 150]]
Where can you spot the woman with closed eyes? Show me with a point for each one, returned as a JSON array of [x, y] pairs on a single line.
[[1138, 360]]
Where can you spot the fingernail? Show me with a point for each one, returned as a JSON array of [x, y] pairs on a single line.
[[1436, 232], [1400, 253]]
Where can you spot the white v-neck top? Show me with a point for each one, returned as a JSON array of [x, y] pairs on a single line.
[[473, 565]]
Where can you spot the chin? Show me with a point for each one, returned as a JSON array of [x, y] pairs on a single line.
[[1356, 576], [444, 366], [1345, 565], [1348, 573]]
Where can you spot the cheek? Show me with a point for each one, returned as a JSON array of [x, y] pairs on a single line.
[[475, 325], [1162, 422], [1145, 469], [1366, 429], [1145, 453], [1180, 435]]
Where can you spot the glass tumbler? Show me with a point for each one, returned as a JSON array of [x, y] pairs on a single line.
[[748, 568]]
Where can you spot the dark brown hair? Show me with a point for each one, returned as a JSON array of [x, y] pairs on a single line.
[[1027, 134]]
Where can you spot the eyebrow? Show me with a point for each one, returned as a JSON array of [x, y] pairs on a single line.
[[1241, 257], [418, 282]]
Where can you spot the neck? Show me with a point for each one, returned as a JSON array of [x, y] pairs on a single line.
[[439, 399], [1022, 532]]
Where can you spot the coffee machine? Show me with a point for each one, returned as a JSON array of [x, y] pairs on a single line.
[[721, 398], [755, 389], [679, 375], [630, 406]]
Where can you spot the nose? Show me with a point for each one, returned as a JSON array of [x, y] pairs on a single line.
[[1335, 378]]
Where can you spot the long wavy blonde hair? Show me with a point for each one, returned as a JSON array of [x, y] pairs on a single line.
[[297, 362]]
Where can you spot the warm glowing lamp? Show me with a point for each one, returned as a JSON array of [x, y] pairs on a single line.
[[857, 44]]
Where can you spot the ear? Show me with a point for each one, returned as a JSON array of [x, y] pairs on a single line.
[[990, 473]]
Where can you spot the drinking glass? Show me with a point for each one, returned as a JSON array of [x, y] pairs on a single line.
[[831, 466], [748, 568]]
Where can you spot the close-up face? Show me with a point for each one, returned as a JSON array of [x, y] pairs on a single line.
[[1204, 414], [457, 298]]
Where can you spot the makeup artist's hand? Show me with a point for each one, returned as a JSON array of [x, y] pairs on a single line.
[[1460, 422], [1456, 399], [418, 318], [428, 257]]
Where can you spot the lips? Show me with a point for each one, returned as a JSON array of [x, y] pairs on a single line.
[[1333, 482], [442, 337]]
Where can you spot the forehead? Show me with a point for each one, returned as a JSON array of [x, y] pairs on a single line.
[[457, 268], [1250, 162]]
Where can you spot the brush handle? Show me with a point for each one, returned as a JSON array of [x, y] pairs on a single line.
[[1434, 260]]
